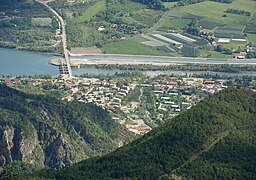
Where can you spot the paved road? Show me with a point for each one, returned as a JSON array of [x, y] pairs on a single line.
[[185, 60], [64, 35]]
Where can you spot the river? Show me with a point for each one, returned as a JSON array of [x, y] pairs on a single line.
[[16, 62]]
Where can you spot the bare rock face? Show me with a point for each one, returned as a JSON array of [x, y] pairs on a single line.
[[55, 151], [6, 144], [30, 149], [59, 153]]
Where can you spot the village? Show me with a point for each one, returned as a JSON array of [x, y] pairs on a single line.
[[137, 104]]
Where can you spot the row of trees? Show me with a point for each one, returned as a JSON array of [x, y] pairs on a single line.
[[185, 67], [188, 2], [237, 11]]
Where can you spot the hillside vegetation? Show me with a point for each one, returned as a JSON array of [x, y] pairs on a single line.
[[213, 140], [42, 131], [22, 25]]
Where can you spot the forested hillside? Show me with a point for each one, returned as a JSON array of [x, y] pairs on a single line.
[[41, 131], [213, 140]]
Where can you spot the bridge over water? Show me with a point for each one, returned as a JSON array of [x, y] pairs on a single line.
[[64, 67]]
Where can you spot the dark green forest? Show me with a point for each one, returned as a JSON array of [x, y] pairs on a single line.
[[213, 140]]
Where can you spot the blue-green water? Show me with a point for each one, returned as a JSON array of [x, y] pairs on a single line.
[[16, 62]]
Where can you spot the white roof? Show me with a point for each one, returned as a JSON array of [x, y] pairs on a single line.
[[242, 40], [224, 40]]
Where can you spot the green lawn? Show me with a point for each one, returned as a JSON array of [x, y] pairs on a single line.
[[173, 23], [214, 11], [92, 11], [252, 38], [133, 46]]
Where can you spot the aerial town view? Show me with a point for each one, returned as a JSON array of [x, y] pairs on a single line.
[[127, 89]]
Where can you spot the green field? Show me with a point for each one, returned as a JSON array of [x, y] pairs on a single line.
[[214, 11], [173, 23], [233, 45], [133, 46], [214, 54], [252, 38], [92, 11], [169, 4]]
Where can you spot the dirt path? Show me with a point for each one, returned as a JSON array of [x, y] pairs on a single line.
[[157, 25]]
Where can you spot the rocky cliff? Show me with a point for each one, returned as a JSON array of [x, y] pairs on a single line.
[[46, 132]]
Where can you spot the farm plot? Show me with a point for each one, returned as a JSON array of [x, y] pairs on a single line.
[[166, 49], [41, 21], [173, 23], [172, 42], [228, 32], [153, 42], [183, 15], [188, 51], [205, 24], [185, 38], [161, 42], [159, 45], [215, 11], [166, 39]]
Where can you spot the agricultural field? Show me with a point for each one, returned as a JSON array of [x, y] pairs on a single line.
[[126, 19], [214, 54], [98, 22], [251, 25], [182, 44], [205, 24], [233, 46], [173, 23], [252, 38], [92, 11], [227, 32], [169, 4], [214, 11], [133, 46]]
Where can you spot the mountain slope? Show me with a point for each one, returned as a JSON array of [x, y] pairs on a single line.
[[214, 139], [44, 131]]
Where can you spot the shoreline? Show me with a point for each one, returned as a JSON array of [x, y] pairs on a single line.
[[31, 51], [161, 62], [125, 55]]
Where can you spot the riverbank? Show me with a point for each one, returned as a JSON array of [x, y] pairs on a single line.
[[41, 51]]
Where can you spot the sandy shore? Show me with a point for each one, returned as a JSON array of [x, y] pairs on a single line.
[[76, 62]]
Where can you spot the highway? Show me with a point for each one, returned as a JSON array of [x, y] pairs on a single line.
[[162, 59], [64, 36]]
